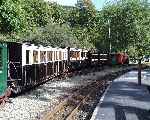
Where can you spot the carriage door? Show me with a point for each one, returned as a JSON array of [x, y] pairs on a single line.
[[3, 67]]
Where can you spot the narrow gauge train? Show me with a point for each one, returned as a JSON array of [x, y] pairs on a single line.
[[119, 58], [24, 66]]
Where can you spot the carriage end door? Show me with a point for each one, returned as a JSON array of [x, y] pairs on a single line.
[[3, 67]]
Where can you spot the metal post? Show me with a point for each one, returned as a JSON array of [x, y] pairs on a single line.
[[139, 72], [109, 37]]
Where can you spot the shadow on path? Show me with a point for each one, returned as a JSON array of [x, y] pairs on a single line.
[[121, 111]]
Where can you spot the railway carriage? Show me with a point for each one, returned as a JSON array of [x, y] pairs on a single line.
[[46, 63], [84, 61], [10, 65], [77, 58]]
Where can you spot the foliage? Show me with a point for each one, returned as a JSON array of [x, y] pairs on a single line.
[[38, 13], [57, 13], [11, 16], [129, 26], [52, 24], [22, 15], [35, 21], [82, 20], [53, 35]]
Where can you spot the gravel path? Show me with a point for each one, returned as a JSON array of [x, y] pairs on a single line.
[[34, 104]]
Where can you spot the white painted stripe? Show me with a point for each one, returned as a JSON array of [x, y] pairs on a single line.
[[97, 107], [131, 116], [130, 78]]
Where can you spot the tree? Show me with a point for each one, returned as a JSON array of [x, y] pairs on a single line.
[[82, 20], [11, 16], [130, 25], [37, 12], [19, 17], [54, 35]]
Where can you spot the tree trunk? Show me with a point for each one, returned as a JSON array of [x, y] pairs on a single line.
[[139, 71]]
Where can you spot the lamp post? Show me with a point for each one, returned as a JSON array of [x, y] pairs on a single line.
[[109, 37]]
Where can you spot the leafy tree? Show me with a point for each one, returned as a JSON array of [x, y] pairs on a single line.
[[82, 20], [54, 35], [57, 13], [12, 16], [129, 25], [87, 12], [19, 17], [38, 13]]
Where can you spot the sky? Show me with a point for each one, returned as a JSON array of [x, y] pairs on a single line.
[[98, 3]]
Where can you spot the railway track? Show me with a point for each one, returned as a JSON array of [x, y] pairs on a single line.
[[69, 107]]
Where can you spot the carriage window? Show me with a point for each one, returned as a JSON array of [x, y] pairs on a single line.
[[63, 56], [78, 54], [85, 55], [82, 54], [60, 56], [56, 55], [27, 56], [35, 56], [43, 56], [73, 54], [49, 55], [1, 59]]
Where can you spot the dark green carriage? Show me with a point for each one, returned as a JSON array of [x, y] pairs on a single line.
[[3, 67]]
